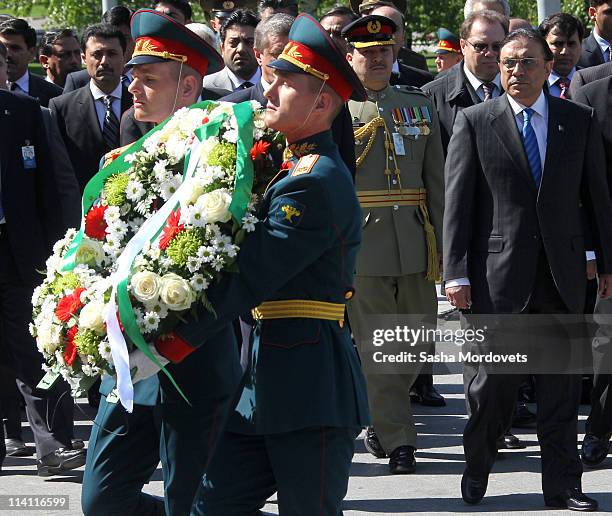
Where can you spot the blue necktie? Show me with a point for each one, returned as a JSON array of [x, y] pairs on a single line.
[[530, 142]]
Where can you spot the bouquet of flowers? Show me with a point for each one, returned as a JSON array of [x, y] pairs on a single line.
[[162, 220]]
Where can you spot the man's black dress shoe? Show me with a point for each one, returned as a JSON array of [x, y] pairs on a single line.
[[574, 500], [372, 444], [473, 489], [523, 417], [16, 448], [427, 395], [59, 461], [78, 444], [510, 442], [402, 461], [594, 450]]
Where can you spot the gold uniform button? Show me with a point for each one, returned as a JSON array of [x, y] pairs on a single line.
[[348, 295]]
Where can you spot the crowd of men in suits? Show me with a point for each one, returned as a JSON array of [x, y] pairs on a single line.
[[519, 136]]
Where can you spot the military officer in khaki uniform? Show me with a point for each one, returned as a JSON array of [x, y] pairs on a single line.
[[400, 185]]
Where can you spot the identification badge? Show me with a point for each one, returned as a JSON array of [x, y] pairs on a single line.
[[48, 380], [29, 156], [113, 396], [398, 143]]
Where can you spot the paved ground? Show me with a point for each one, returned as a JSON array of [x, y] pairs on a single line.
[[514, 487]]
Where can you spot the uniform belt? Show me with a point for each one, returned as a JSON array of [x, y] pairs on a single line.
[[304, 308], [382, 198]]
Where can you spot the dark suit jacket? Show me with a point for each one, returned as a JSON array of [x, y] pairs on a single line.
[[42, 90], [342, 127], [411, 58], [451, 93], [132, 130], [76, 80], [411, 76], [77, 120], [29, 196], [586, 75], [496, 223], [591, 53]]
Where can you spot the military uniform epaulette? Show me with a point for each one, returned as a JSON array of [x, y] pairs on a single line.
[[305, 164], [409, 89]]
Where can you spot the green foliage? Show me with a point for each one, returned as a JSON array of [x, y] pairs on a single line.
[[184, 245], [114, 189], [86, 341]]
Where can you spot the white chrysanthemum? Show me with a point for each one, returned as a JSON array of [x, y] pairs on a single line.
[[193, 264], [194, 216], [112, 214], [231, 135], [160, 170], [104, 349], [134, 190], [158, 307], [151, 321], [198, 282], [206, 254], [171, 186], [248, 222]]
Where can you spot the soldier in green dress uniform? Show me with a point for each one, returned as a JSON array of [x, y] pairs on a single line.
[[400, 186], [303, 399], [125, 448]]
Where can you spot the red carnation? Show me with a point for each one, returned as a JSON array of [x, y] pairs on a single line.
[[259, 149], [68, 305], [172, 229], [70, 352], [95, 225]]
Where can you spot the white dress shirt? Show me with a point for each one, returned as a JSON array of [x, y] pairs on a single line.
[[24, 83], [603, 44], [476, 83], [553, 87], [539, 122], [237, 81], [99, 95]]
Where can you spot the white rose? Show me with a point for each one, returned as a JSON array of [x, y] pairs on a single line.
[[146, 286], [91, 317], [176, 293], [48, 338], [90, 252], [215, 206]]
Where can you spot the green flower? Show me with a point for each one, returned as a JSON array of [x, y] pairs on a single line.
[[184, 245], [223, 155], [114, 189], [86, 342], [68, 281]]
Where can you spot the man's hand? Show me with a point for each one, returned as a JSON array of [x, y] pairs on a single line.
[[143, 367], [605, 286], [591, 269], [459, 297]]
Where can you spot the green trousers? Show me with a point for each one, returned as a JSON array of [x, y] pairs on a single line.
[[389, 394], [308, 468]]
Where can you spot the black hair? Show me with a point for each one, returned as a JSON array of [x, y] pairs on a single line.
[[19, 27], [278, 4], [52, 37], [118, 16], [566, 23], [533, 35], [340, 10], [181, 5], [104, 31], [488, 15], [239, 17]]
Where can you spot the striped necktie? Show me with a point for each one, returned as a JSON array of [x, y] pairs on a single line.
[[110, 129], [530, 142], [564, 83], [487, 88]]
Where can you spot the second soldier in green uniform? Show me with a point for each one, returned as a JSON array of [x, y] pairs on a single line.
[[400, 186]]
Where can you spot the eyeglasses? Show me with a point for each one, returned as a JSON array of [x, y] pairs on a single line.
[[481, 48], [528, 63]]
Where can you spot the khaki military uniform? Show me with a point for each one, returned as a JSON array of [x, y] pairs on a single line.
[[400, 185]]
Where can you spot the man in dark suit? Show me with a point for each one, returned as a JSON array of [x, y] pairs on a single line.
[[402, 73], [590, 74], [271, 36], [31, 220], [475, 79], [598, 95], [596, 48], [89, 117], [20, 41], [512, 173]]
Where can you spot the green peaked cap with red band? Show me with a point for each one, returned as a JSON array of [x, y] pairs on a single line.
[[159, 38], [310, 50]]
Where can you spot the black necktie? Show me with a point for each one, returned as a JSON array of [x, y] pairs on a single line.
[[15, 87], [110, 130], [245, 85], [488, 88]]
